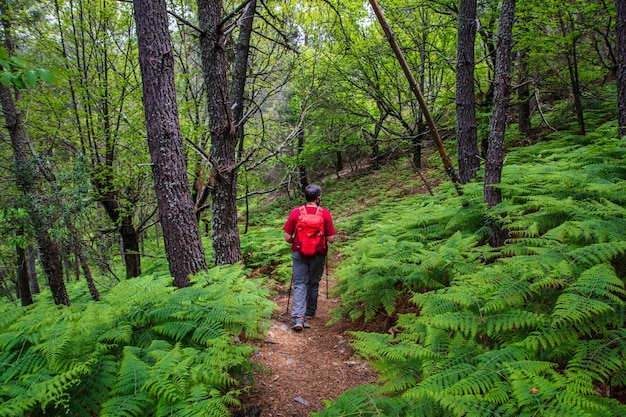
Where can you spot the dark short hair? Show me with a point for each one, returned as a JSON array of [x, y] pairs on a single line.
[[312, 191]]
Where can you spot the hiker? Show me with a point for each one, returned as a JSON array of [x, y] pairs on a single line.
[[308, 253]]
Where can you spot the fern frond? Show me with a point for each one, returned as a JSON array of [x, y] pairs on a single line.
[[598, 253], [597, 359]]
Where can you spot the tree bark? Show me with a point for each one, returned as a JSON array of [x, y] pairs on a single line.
[[620, 29], [466, 134], [240, 73], [502, 87], [225, 230], [181, 235]]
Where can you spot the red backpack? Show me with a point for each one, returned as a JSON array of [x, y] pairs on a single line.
[[310, 231]]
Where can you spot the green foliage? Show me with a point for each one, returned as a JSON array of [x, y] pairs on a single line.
[[146, 349], [533, 328], [18, 73]]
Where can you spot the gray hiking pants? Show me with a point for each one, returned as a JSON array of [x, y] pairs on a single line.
[[307, 274]]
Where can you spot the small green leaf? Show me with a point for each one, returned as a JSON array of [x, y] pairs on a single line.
[[17, 80], [30, 78], [4, 54], [6, 79], [46, 76], [18, 63]]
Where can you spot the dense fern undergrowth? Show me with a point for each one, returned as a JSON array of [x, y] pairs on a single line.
[[534, 328], [146, 349]]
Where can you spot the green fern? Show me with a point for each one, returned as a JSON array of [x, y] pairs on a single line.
[[145, 349], [532, 328]]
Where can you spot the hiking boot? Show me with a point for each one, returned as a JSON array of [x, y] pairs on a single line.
[[298, 324], [306, 324]]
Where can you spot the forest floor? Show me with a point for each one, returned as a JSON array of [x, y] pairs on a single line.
[[305, 367]]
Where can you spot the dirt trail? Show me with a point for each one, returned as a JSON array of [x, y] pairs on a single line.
[[307, 367]]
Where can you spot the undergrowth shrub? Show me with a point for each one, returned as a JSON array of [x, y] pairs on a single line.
[[146, 349], [535, 328]]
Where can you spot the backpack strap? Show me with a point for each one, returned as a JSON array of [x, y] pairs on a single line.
[[318, 210]]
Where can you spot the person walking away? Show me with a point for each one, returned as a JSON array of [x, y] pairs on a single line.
[[309, 229]]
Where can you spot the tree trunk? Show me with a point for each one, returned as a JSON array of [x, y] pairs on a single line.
[[23, 285], [225, 230], [572, 66], [238, 87], [32, 270], [181, 235], [301, 168], [240, 73], [466, 134], [126, 229], [620, 28], [82, 262], [523, 97], [502, 81], [25, 178]]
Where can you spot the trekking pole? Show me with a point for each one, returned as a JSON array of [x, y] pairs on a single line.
[[289, 296], [326, 261]]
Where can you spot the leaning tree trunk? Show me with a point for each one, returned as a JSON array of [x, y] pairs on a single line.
[[620, 29], [25, 178], [502, 81], [466, 134], [225, 230], [181, 235]]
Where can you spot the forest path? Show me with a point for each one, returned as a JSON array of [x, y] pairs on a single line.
[[307, 367]]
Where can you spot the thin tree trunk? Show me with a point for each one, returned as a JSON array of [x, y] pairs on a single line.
[[240, 73], [620, 29], [32, 270], [301, 168], [466, 134], [23, 285], [183, 245], [523, 96], [572, 66], [82, 262], [502, 81], [238, 88]]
